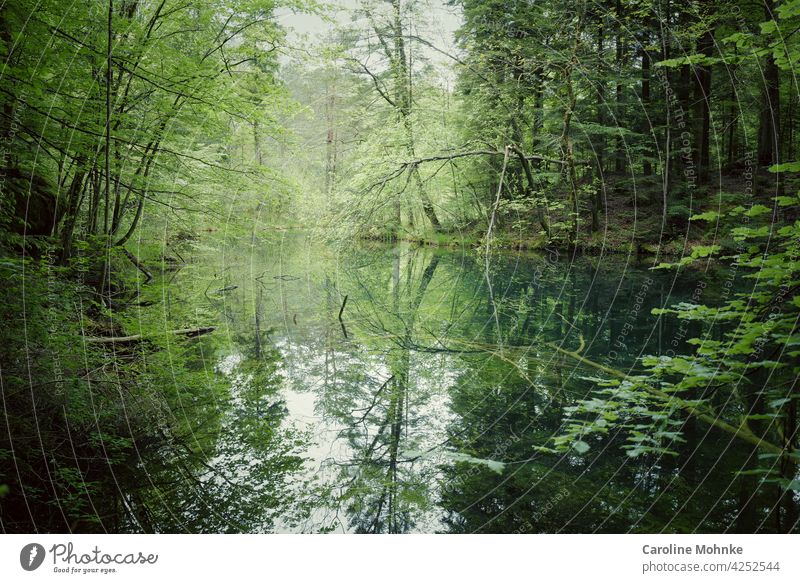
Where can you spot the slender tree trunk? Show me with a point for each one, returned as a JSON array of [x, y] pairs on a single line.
[[789, 132], [666, 165], [403, 99], [702, 100], [94, 176], [153, 147], [600, 146], [768, 134], [601, 92], [526, 167], [619, 157], [10, 101], [538, 113], [257, 144], [109, 74], [647, 166], [731, 154], [71, 209], [330, 141], [568, 155]]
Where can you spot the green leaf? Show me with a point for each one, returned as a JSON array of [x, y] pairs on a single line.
[[699, 251], [757, 210], [706, 216], [785, 167], [580, 446], [769, 27], [784, 201]]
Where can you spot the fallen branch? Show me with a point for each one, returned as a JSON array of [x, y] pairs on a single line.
[[190, 332], [412, 165], [502, 152]]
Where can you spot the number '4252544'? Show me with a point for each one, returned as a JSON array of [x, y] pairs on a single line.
[[755, 566]]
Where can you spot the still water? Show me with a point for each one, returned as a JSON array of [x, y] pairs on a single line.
[[398, 388]]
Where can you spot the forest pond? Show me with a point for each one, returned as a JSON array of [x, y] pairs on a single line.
[[422, 401]]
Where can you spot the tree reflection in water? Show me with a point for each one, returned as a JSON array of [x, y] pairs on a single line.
[[430, 405]]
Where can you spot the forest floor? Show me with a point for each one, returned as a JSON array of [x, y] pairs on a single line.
[[632, 221]]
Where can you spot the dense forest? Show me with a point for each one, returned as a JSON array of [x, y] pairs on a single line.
[[531, 266]]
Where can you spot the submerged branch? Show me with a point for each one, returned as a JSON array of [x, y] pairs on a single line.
[[741, 432]]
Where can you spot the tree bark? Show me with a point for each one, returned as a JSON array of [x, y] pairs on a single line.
[[647, 166], [619, 156], [70, 215], [768, 133], [702, 100], [403, 99]]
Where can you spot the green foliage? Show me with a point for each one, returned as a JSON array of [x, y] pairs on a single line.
[[557, 125], [747, 378], [163, 131]]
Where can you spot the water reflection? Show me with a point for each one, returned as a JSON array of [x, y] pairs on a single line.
[[421, 409]]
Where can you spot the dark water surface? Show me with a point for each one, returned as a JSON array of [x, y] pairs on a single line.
[[421, 410]]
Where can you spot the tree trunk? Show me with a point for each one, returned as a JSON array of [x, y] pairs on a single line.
[[768, 134], [330, 140], [70, 215], [731, 154], [403, 99], [702, 100], [538, 114], [789, 130], [647, 166], [569, 157], [619, 155], [526, 167], [600, 146], [109, 64], [257, 144]]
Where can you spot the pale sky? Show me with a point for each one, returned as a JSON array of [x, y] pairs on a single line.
[[440, 23]]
